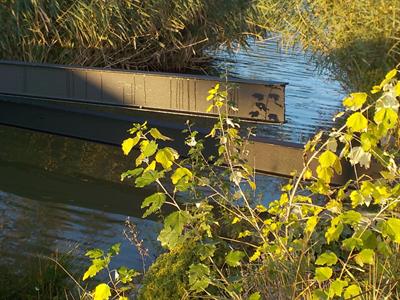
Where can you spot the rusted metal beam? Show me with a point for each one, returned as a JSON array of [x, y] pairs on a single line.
[[257, 101]]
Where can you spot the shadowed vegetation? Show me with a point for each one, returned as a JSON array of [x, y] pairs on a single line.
[[132, 34], [359, 41], [38, 278]]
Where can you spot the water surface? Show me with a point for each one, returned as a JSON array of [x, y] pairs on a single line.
[[57, 193], [312, 97]]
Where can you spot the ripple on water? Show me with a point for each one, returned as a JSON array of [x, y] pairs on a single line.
[[312, 98], [32, 227]]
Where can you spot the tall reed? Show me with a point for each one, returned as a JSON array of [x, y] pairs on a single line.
[[132, 34], [359, 41]]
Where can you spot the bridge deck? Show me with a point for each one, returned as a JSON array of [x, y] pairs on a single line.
[[108, 124], [257, 101]]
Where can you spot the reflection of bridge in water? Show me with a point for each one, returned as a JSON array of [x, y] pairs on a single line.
[[100, 105]]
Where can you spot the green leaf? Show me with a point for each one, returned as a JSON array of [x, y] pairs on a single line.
[[327, 258], [173, 227], [166, 157], [352, 291], [352, 243], [148, 148], [158, 135], [126, 275], [367, 141], [233, 258], [199, 277], [205, 251], [114, 250], [96, 267], [391, 228], [357, 122], [327, 159], [355, 101], [323, 273], [369, 239], [102, 292], [351, 217], [146, 178], [366, 256], [131, 173], [255, 296], [384, 249], [155, 202], [95, 253], [336, 288], [319, 294], [128, 144], [181, 173]]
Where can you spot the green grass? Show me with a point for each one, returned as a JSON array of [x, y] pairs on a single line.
[[37, 278]]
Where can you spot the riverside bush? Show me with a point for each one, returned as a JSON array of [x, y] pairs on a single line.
[[317, 241]]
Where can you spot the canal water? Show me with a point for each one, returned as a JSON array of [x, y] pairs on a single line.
[[58, 193]]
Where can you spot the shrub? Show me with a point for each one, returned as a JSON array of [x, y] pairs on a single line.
[[317, 240], [166, 278]]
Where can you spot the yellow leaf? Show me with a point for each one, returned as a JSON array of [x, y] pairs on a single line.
[[102, 292], [391, 74], [355, 100], [311, 223], [235, 220], [327, 159], [387, 116], [166, 157], [325, 174], [155, 133], [261, 208], [151, 166], [244, 234], [181, 173], [376, 89], [128, 144], [255, 256], [92, 270], [397, 89], [366, 256], [252, 184], [307, 174], [210, 108], [357, 122], [139, 160]]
